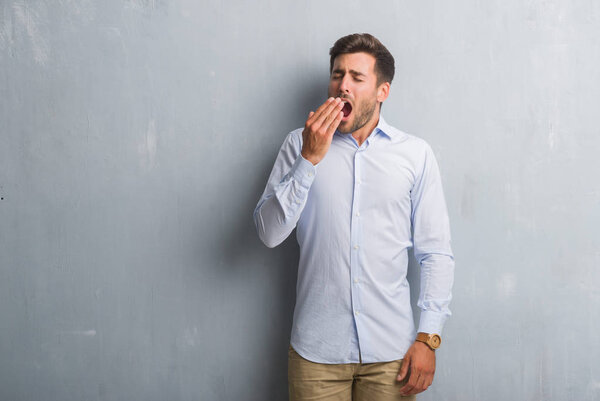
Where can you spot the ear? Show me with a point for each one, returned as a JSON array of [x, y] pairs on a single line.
[[383, 91]]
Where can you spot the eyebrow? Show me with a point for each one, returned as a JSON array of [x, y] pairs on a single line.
[[353, 72]]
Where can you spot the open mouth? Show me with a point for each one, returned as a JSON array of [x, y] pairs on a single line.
[[347, 109]]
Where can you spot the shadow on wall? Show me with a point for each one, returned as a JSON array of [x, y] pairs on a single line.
[[242, 245], [242, 242]]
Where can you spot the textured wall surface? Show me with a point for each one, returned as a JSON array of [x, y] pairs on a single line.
[[136, 137]]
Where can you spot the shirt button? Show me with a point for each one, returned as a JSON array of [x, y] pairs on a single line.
[[310, 174], [356, 280], [359, 181], [356, 312], [357, 214], [355, 246]]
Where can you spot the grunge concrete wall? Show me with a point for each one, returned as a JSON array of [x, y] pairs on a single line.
[[136, 137]]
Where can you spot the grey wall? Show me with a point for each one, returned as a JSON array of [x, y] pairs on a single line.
[[136, 137]]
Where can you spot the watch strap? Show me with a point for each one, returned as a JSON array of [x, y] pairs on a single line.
[[432, 340]]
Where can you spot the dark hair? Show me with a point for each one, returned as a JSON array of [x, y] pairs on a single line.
[[364, 42]]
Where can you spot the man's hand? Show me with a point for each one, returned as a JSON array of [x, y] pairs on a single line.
[[420, 361], [319, 129]]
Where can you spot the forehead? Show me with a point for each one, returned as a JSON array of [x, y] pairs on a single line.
[[361, 62]]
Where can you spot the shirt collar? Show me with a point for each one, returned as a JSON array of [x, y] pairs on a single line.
[[387, 130], [382, 127]]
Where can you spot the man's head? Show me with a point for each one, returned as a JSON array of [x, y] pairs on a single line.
[[365, 43], [361, 70]]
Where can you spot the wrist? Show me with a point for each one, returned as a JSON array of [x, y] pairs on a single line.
[[309, 158], [422, 346], [433, 341]]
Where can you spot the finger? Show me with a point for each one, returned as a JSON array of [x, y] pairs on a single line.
[[335, 113], [320, 121], [429, 380], [403, 368], [312, 113], [331, 113], [335, 123], [410, 384], [413, 378], [420, 385], [320, 110], [409, 387]]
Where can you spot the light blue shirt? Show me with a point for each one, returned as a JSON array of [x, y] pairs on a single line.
[[353, 214]]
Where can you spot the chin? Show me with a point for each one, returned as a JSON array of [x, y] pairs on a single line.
[[345, 127], [343, 130]]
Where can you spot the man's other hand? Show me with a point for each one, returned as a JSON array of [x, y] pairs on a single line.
[[319, 129], [419, 364]]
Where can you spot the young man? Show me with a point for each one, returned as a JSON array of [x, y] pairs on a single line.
[[354, 187]]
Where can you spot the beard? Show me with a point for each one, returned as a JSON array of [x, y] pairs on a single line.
[[364, 112]]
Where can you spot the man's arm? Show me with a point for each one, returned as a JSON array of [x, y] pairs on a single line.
[[284, 197], [431, 240]]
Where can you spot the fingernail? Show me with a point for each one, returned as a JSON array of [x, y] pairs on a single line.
[[330, 99]]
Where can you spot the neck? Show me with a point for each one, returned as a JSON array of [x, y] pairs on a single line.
[[363, 133]]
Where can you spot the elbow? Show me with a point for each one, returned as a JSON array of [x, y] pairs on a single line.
[[268, 239], [270, 243], [433, 256]]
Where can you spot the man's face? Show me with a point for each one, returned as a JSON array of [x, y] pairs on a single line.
[[353, 79]]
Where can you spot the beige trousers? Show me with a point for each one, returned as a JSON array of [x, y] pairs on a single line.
[[343, 382]]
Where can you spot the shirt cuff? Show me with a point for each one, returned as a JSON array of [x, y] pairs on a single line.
[[303, 171], [431, 322]]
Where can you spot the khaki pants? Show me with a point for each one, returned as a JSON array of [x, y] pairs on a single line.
[[343, 382]]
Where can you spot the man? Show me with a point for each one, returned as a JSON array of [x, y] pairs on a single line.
[[354, 188]]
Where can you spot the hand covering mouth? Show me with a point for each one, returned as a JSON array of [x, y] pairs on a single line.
[[347, 109]]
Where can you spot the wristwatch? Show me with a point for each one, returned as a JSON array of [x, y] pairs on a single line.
[[432, 340]]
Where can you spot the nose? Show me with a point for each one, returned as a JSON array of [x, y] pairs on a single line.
[[345, 84]]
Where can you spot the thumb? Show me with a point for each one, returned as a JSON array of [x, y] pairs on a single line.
[[404, 367]]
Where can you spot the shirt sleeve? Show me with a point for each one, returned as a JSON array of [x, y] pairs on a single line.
[[431, 240], [284, 197]]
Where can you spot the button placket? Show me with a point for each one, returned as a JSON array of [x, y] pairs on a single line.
[[355, 238]]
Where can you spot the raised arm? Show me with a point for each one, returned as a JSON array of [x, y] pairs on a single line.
[[284, 197]]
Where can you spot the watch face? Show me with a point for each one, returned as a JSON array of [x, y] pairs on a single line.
[[435, 341]]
